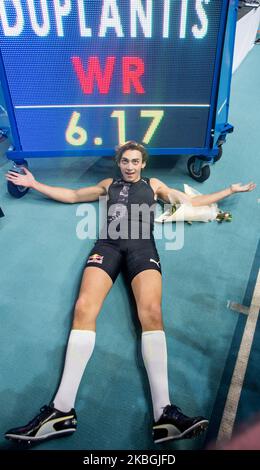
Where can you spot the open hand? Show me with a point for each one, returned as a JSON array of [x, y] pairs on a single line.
[[26, 180], [239, 188]]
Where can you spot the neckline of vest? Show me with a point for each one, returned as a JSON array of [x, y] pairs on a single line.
[[132, 183]]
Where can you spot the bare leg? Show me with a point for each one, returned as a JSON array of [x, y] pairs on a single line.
[[95, 285], [147, 289]]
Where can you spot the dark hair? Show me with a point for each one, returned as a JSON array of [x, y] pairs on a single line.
[[131, 145]]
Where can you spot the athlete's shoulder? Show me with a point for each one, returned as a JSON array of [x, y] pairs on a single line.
[[155, 183], [106, 183]]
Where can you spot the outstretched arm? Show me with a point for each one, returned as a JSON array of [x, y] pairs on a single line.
[[70, 196], [172, 195], [205, 200]]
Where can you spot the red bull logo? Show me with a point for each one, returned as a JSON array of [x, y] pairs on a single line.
[[95, 259]]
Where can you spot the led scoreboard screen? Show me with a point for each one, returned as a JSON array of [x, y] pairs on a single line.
[[89, 74]]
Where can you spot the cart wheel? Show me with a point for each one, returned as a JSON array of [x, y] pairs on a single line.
[[13, 189], [219, 155], [16, 191], [201, 174]]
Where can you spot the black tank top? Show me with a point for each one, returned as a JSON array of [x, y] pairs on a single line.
[[130, 209]]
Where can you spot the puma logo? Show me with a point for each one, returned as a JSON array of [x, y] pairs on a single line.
[[156, 262]]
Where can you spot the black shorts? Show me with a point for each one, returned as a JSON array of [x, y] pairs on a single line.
[[130, 256]]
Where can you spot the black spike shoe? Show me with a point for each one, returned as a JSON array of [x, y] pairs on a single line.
[[173, 424], [48, 424]]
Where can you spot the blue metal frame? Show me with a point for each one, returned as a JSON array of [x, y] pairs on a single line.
[[217, 128], [18, 155], [10, 109], [222, 107], [215, 83]]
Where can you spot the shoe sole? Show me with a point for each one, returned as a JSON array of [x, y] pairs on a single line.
[[190, 433], [32, 439]]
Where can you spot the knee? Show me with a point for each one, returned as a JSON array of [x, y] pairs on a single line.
[[85, 311], [150, 316]]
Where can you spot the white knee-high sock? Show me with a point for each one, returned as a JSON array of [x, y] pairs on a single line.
[[79, 350], [154, 354]]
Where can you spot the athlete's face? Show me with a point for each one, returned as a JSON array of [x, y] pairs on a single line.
[[131, 165]]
